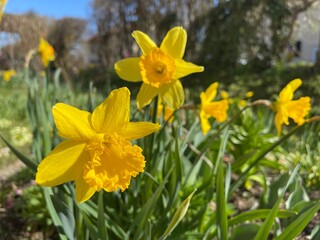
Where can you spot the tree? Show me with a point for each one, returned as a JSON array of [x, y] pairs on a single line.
[[247, 34], [65, 35]]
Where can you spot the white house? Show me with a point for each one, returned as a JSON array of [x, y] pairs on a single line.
[[306, 35]]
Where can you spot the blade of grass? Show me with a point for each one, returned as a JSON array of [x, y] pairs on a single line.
[[259, 214], [177, 217], [259, 157], [222, 218], [102, 228], [299, 224], [146, 211], [65, 214], [53, 213], [27, 161], [266, 226]]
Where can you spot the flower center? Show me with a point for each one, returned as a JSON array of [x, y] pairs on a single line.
[[157, 68], [114, 161]]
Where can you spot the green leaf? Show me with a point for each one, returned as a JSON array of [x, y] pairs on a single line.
[[299, 224], [53, 213], [102, 228], [244, 231], [266, 226], [298, 195], [177, 217], [27, 161], [259, 156], [147, 209], [90, 209], [222, 218], [91, 226], [65, 214], [259, 214]]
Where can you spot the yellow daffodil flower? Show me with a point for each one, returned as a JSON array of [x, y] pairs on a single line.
[[287, 108], [3, 4], [216, 109], [8, 74], [249, 94], [46, 52], [159, 68], [224, 94], [98, 153]]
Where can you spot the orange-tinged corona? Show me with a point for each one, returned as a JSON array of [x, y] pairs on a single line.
[[159, 68]]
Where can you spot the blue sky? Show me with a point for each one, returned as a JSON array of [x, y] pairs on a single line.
[[51, 8]]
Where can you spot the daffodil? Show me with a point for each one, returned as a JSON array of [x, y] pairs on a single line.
[[287, 108], [159, 68], [249, 94], [46, 52], [3, 4], [98, 153], [242, 102], [8, 74], [210, 108], [224, 94]]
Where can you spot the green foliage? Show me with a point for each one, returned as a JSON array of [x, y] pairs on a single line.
[[238, 157]]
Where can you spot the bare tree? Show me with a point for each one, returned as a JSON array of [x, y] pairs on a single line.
[[65, 35]]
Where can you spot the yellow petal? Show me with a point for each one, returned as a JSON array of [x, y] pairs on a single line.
[[128, 69], [2, 7], [111, 115], [211, 91], [144, 41], [63, 164], [287, 93], [224, 94], [298, 109], [146, 94], [218, 110], [175, 42], [172, 94], [249, 94], [83, 191], [184, 68], [278, 122], [205, 124], [71, 122], [135, 130], [46, 52]]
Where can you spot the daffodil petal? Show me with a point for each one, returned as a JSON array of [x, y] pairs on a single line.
[[287, 92], [71, 122], [172, 95], [63, 164], [145, 95], [83, 190], [184, 68], [175, 42], [136, 130], [218, 110], [211, 91], [205, 124], [144, 41], [128, 69], [298, 109], [278, 122], [111, 115]]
